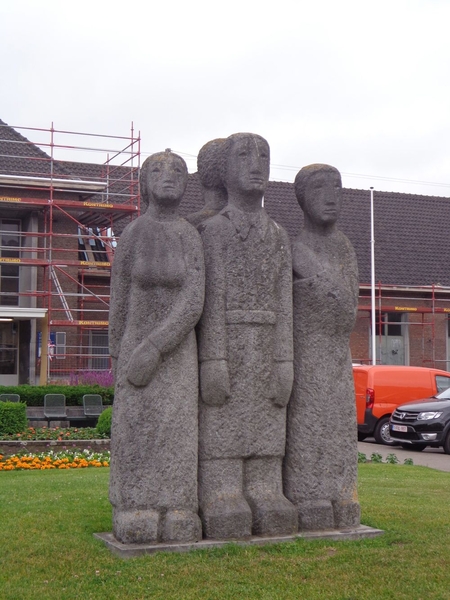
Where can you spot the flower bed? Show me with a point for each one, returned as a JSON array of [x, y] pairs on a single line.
[[55, 433], [67, 459]]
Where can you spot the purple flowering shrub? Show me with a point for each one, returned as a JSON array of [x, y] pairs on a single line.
[[101, 378]]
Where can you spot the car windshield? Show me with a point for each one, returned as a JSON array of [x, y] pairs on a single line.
[[445, 395]]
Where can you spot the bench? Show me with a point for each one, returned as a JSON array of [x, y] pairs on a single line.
[[9, 398], [55, 409], [92, 407]]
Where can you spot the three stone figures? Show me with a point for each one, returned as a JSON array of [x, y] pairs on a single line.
[[247, 455]]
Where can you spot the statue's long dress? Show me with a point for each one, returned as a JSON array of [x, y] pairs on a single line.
[[247, 320], [157, 294], [247, 324], [320, 470]]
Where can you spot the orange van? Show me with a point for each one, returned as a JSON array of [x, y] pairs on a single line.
[[379, 389]]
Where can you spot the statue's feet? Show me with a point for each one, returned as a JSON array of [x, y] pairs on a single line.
[[226, 517], [273, 515], [181, 526], [136, 526], [347, 515], [315, 515]]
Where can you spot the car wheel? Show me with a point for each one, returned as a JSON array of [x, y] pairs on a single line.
[[381, 433], [447, 443], [361, 437], [414, 447]]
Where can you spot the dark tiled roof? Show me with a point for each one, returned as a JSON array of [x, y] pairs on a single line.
[[411, 231], [119, 178], [410, 236], [20, 157]]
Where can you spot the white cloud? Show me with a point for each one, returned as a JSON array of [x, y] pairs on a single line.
[[361, 85]]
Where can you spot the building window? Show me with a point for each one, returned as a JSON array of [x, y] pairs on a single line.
[[99, 350], [60, 344], [90, 246], [9, 267], [389, 323], [8, 349], [448, 344], [392, 340]]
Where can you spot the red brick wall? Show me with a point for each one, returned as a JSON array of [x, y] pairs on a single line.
[[427, 330]]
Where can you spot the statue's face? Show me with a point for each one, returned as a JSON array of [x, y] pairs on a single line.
[[166, 179], [323, 197], [248, 165]]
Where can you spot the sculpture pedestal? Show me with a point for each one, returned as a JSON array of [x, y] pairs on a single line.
[[131, 550]]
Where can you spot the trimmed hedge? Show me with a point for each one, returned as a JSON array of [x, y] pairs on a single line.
[[13, 417], [104, 422], [33, 395]]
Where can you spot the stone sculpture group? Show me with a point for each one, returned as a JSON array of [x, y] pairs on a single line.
[[234, 410]]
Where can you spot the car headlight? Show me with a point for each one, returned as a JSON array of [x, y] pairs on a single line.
[[426, 416]]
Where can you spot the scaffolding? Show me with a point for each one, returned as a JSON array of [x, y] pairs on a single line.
[[417, 317], [64, 197]]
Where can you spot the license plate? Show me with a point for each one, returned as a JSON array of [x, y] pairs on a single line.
[[402, 428]]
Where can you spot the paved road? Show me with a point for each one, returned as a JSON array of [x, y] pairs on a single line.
[[430, 457]]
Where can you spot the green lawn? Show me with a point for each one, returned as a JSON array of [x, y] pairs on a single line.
[[48, 550]]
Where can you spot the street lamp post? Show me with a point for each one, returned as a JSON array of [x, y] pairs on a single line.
[[372, 277]]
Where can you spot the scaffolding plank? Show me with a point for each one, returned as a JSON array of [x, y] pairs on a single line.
[[406, 309], [82, 205], [42, 262], [78, 323]]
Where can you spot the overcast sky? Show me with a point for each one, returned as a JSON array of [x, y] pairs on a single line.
[[364, 86]]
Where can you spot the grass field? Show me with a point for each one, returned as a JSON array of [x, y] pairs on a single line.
[[48, 550]]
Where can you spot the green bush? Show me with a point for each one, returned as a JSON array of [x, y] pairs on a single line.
[[13, 417], [376, 457], [33, 395], [104, 422], [392, 459]]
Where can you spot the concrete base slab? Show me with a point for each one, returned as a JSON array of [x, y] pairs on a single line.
[[131, 550]]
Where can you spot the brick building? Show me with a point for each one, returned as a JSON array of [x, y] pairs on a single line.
[[59, 220], [412, 270]]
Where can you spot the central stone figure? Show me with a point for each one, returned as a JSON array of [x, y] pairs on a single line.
[[245, 352]]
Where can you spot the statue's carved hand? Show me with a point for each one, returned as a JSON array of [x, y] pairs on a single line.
[[214, 382], [143, 364], [282, 379]]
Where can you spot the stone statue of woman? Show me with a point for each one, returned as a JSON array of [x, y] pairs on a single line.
[[320, 467], [157, 293]]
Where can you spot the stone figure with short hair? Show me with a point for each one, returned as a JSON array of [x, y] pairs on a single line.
[[245, 353], [157, 293], [214, 192], [320, 468]]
